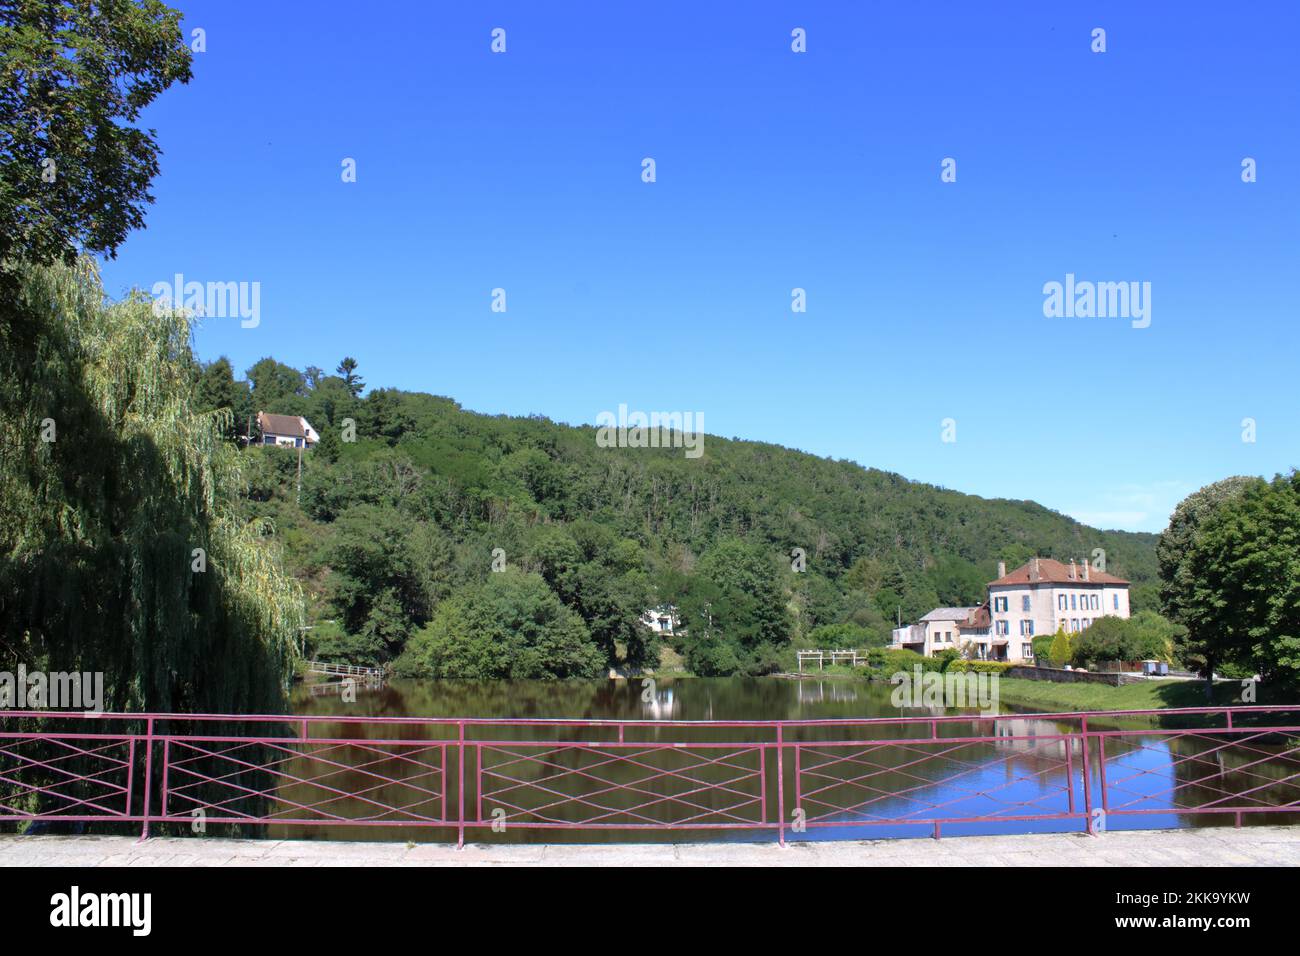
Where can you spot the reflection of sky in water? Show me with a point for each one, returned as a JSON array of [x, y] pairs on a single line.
[[846, 790]]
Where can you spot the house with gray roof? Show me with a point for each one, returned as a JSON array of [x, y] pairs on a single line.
[[937, 631]]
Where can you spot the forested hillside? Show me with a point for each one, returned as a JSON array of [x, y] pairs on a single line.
[[409, 499]]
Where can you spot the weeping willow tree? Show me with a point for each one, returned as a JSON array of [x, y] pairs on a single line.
[[120, 548]]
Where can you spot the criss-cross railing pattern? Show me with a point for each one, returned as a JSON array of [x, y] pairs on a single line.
[[1239, 770], [947, 780], [235, 780], [74, 777], [623, 786], [444, 778]]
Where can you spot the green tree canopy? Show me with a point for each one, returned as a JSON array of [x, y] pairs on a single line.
[[1245, 567], [735, 611], [121, 549], [511, 626], [387, 574], [277, 388], [74, 77], [1177, 540], [347, 369], [217, 389], [1178, 581]]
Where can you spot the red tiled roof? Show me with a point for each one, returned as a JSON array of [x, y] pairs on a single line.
[[1054, 572]]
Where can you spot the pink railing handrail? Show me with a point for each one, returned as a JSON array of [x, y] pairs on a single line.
[[623, 752], [617, 722]]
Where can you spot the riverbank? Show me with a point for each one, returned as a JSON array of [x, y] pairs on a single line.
[[1048, 695], [1147, 695], [835, 694], [1202, 846]]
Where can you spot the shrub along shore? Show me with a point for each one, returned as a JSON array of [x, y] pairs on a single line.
[[1043, 695]]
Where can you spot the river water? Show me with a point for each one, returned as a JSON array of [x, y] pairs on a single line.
[[896, 788]]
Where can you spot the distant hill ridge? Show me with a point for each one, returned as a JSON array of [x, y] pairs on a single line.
[[505, 473]]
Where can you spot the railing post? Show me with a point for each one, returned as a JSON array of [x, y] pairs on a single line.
[[1087, 777], [1101, 774], [1069, 773], [798, 772], [780, 785], [148, 777], [162, 797], [460, 780]]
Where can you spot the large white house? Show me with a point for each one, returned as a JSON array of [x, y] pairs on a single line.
[[1037, 598]]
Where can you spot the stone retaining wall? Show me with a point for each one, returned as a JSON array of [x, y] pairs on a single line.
[[1062, 676]]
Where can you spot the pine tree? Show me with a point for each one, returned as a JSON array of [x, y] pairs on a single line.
[[348, 369]]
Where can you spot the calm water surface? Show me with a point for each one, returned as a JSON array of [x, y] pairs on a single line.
[[836, 786]]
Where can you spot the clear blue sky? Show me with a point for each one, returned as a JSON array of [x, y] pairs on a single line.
[[775, 170]]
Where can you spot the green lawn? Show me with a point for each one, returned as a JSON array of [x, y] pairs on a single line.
[[1149, 695]]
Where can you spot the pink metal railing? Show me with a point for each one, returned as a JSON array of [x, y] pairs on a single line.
[[480, 775]]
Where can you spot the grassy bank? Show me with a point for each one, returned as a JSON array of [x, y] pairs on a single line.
[[1149, 695]]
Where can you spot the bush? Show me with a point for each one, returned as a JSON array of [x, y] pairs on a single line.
[[1146, 636], [947, 657], [328, 641], [883, 663], [1043, 649], [1061, 648], [978, 667], [839, 637]]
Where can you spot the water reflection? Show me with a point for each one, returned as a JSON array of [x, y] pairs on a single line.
[[819, 691], [837, 776], [659, 704]]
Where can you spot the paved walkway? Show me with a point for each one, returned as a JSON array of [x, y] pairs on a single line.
[[1217, 846]]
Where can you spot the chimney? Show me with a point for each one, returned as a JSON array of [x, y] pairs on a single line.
[[1033, 569], [1002, 569], [1072, 572], [1087, 571]]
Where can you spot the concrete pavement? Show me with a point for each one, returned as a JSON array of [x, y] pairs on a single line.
[[1209, 846]]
